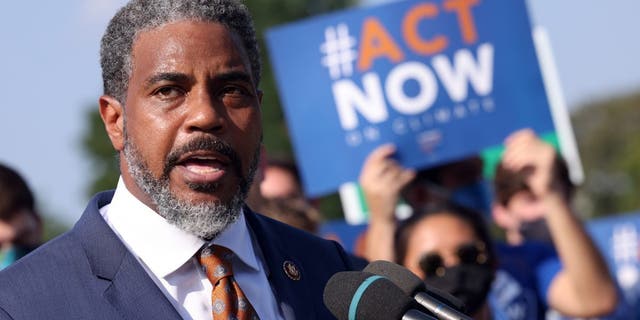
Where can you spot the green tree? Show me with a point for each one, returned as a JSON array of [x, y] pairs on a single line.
[[52, 227], [608, 135], [97, 146]]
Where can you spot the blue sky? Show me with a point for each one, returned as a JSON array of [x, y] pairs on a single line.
[[51, 78]]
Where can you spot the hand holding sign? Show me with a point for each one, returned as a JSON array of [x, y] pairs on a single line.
[[381, 180], [526, 152]]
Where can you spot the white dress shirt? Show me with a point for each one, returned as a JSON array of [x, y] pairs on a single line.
[[167, 254]]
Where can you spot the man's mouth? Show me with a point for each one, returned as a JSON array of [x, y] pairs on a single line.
[[203, 166]]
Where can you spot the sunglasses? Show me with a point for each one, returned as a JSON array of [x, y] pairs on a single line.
[[474, 253]]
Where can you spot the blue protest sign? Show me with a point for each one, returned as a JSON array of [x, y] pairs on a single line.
[[618, 239], [439, 79]]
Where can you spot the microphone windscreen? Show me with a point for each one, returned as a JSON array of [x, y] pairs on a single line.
[[352, 295], [411, 284], [400, 276]]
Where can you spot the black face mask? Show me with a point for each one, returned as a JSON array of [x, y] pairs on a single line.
[[469, 281], [536, 230]]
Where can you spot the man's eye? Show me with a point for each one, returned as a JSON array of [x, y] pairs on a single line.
[[234, 91], [235, 96], [166, 93]]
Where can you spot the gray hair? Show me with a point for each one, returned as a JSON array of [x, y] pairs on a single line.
[[143, 15]]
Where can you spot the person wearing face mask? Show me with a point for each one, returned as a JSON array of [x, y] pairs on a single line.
[[516, 209], [384, 182], [449, 247], [531, 277], [532, 205]]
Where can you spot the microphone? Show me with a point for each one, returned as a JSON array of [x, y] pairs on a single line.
[[413, 286], [354, 295]]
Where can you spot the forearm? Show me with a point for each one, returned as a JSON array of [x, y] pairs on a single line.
[[381, 179], [586, 287], [379, 240]]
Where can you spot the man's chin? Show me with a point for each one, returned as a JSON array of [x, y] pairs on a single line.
[[200, 214], [200, 198]]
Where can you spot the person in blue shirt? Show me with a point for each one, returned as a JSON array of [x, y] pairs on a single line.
[[532, 205], [570, 277]]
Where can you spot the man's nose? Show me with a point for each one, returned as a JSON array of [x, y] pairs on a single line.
[[204, 113]]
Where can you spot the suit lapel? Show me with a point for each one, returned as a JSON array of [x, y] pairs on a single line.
[[136, 295], [292, 295], [127, 286]]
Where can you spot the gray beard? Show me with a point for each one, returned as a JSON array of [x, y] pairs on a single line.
[[203, 219]]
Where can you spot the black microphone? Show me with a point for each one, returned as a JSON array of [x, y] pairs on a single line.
[[354, 295], [413, 286]]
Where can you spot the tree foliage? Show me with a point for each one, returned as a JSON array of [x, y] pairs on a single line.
[[102, 156], [52, 227], [608, 135]]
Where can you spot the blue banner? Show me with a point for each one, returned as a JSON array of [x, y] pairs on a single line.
[[439, 79], [618, 239]]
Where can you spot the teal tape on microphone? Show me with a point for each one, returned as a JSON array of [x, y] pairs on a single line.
[[356, 297]]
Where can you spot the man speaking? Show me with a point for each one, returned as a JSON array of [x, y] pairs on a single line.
[[181, 106]]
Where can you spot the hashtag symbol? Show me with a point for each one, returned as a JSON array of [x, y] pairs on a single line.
[[337, 49], [625, 243]]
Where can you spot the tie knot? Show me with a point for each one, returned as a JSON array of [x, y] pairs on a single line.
[[216, 262]]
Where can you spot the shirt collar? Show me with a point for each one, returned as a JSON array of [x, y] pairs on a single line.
[[162, 246], [238, 239]]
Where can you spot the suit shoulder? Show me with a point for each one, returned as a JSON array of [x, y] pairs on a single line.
[[40, 268], [281, 229], [50, 253], [304, 244]]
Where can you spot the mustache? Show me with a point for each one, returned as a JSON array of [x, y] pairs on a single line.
[[203, 143]]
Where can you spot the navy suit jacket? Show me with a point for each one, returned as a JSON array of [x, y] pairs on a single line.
[[87, 273]]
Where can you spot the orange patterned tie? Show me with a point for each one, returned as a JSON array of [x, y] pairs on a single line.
[[227, 299]]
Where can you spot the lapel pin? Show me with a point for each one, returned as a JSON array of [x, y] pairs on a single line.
[[291, 270]]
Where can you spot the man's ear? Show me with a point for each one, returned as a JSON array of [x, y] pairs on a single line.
[[112, 114], [502, 217]]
